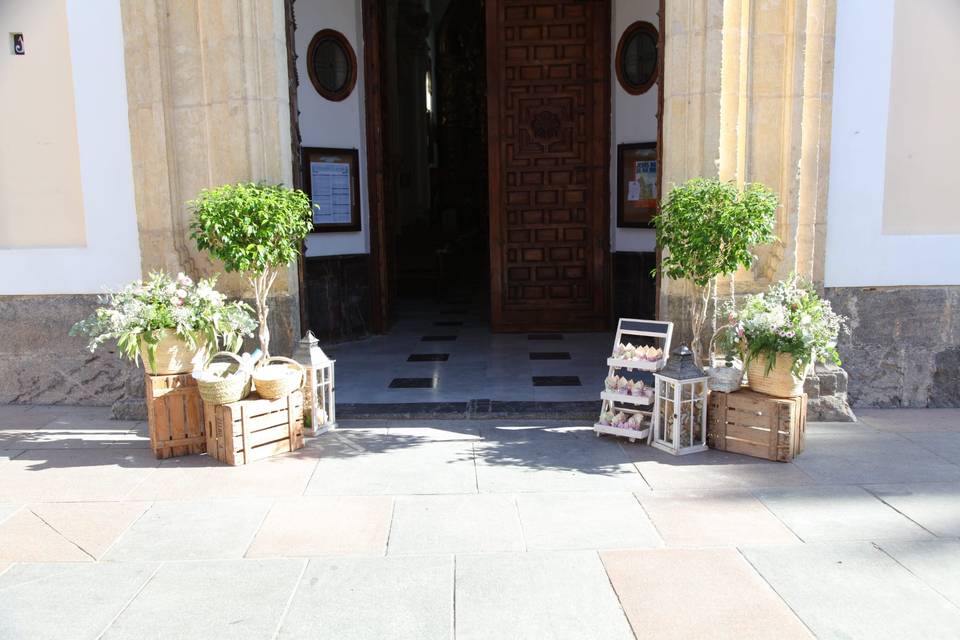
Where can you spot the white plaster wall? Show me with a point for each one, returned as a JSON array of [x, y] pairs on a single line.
[[858, 252], [634, 119], [111, 256], [333, 124]]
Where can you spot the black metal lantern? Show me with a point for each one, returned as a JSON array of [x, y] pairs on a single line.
[[680, 402]]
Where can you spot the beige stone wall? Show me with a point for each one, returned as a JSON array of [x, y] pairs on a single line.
[[747, 96], [921, 189], [41, 198], [209, 105]]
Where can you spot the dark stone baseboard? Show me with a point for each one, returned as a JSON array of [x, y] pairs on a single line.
[[337, 292]]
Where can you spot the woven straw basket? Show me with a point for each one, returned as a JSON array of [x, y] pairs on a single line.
[[234, 382], [173, 355], [779, 381], [274, 381]]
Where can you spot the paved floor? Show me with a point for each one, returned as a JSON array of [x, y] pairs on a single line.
[[449, 350], [479, 530]]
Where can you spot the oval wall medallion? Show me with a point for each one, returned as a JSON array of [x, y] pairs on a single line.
[[332, 65], [638, 56]]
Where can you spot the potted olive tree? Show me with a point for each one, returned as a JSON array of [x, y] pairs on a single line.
[[255, 229], [708, 228]]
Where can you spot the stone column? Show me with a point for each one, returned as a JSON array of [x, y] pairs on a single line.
[[208, 98], [747, 95]]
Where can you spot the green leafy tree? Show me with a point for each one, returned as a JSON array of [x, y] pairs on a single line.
[[708, 228], [255, 229]]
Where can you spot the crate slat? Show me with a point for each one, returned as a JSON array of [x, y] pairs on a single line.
[[174, 415], [249, 430], [757, 425]]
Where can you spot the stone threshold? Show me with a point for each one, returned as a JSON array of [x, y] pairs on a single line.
[[479, 409]]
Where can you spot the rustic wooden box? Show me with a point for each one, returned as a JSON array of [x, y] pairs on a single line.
[[253, 429], [175, 416], [757, 425]]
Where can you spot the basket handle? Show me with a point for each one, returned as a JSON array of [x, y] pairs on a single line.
[[303, 371], [713, 339], [224, 353]]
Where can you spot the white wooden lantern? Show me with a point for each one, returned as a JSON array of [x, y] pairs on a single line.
[[319, 401], [680, 405]]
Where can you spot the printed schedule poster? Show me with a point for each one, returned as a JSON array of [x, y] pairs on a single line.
[[330, 192]]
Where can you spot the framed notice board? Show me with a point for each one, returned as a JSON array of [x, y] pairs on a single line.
[[637, 170], [331, 179]]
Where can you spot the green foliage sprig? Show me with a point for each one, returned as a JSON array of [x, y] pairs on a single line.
[[255, 229], [142, 311], [709, 228]]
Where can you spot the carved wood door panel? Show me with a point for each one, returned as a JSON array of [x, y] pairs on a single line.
[[548, 69]]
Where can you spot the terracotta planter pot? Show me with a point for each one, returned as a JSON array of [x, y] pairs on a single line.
[[779, 381], [173, 355]]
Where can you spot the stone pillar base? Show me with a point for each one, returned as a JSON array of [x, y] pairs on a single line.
[[826, 390]]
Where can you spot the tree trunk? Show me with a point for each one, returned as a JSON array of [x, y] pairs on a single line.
[[261, 287], [698, 318]]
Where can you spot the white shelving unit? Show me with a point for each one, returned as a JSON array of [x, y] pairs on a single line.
[[627, 328]]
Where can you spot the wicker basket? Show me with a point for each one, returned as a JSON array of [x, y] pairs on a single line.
[[233, 383], [723, 378], [779, 381], [274, 381], [173, 355]]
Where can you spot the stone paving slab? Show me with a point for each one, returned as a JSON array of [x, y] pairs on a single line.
[[820, 514], [91, 526], [934, 506], [200, 477], [538, 460], [911, 420], [698, 593], [854, 590], [945, 444], [558, 594], [936, 562], [710, 470], [377, 464], [214, 599], [455, 524], [74, 474], [713, 518], [8, 509], [70, 602], [25, 537], [373, 598], [556, 521], [881, 458], [201, 530], [325, 525]]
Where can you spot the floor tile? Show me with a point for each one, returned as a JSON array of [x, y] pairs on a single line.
[[936, 562], [92, 526], [75, 474], [8, 509], [945, 444], [438, 338], [413, 383], [373, 598], [554, 521], [911, 420], [711, 519], [531, 459], [819, 514], [545, 336], [934, 506], [428, 357], [455, 524], [710, 470], [73, 602], [854, 590], [550, 355], [398, 464], [217, 599], [559, 595], [556, 381], [200, 530], [877, 458], [698, 593], [25, 537], [324, 525]]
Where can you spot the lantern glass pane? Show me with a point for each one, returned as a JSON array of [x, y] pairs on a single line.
[[666, 421], [698, 434], [688, 390]]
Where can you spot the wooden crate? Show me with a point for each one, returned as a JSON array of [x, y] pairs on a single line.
[[253, 429], [175, 416], [757, 425]]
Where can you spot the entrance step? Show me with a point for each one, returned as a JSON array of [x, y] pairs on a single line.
[[480, 409]]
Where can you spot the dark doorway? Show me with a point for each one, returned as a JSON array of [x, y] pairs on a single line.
[[433, 110]]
